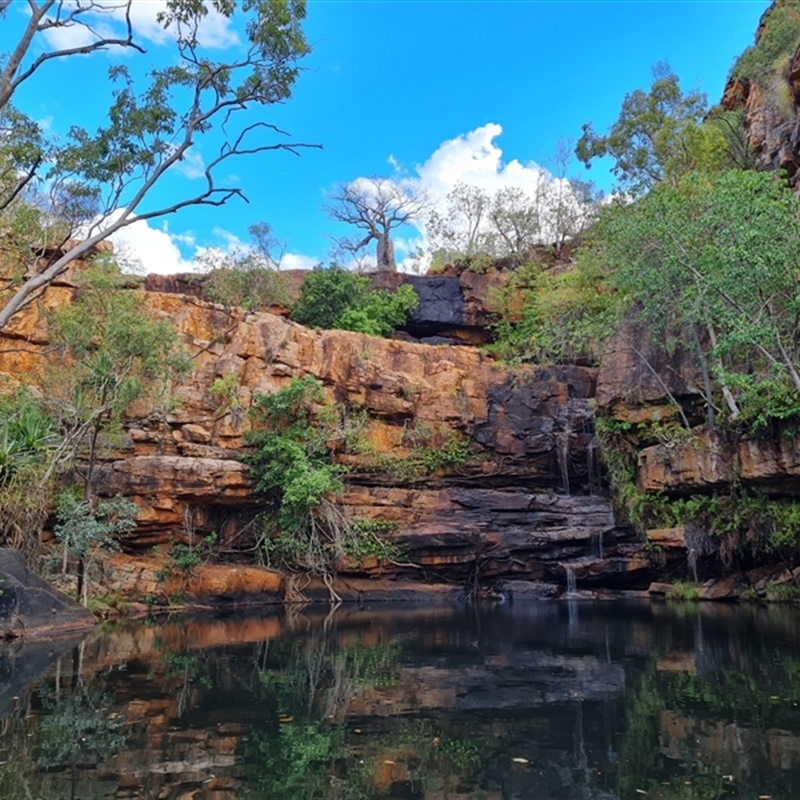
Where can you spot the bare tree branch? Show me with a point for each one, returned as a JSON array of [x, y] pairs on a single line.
[[115, 171]]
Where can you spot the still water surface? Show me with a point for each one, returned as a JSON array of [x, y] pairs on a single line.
[[545, 700]]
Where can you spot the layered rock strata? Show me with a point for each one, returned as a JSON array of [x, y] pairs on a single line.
[[525, 505]]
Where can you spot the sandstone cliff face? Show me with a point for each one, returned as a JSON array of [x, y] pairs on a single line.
[[771, 112], [526, 505]]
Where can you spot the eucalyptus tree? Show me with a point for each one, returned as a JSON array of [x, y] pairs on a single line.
[[97, 182]]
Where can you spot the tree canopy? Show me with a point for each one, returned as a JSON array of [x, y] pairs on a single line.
[[650, 132], [96, 182]]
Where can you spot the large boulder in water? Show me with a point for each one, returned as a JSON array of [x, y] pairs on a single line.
[[29, 606]]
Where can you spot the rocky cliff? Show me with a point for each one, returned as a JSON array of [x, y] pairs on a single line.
[[526, 511], [770, 100]]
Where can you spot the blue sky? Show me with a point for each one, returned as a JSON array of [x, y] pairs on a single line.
[[430, 91]]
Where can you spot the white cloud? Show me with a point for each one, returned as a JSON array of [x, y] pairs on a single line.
[[191, 165], [149, 249], [298, 261], [473, 158], [231, 240], [144, 249]]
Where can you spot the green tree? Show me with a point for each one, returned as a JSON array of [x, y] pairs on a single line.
[[292, 462], [250, 278], [100, 182], [85, 531], [338, 298], [652, 130], [109, 352], [716, 255]]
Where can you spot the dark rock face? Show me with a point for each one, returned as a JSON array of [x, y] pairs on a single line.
[[440, 301], [185, 283], [30, 607]]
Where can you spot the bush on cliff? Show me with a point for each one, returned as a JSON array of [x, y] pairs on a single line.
[[777, 41], [707, 263], [292, 464], [248, 278], [338, 298], [28, 438]]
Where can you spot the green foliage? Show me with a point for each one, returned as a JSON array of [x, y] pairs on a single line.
[[782, 593], [112, 352], [151, 125], [292, 464], [82, 528], [183, 559], [27, 434], [115, 350], [431, 448], [338, 298], [553, 317], [758, 698], [294, 764], [250, 278], [716, 255], [226, 391], [86, 531], [380, 313], [28, 438], [683, 591], [650, 131], [371, 539], [738, 521], [109, 352], [328, 293], [776, 43]]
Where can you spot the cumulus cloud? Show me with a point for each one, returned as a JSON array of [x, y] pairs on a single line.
[[144, 249], [474, 158], [298, 261]]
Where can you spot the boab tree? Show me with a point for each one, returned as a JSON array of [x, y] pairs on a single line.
[[93, 184], [376, 206]]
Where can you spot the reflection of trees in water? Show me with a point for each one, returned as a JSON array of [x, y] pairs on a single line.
[[305, 752], [712, 726], [53, 743]]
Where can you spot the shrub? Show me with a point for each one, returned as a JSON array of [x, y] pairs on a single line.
[[337, 298], [683, 592], [776, 43], [293, 466]]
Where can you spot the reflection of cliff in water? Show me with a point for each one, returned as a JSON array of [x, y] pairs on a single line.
[[534, 701]]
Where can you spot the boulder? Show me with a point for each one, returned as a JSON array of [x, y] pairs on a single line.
[[30, 607]]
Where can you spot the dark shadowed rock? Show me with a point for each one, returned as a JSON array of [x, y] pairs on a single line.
[[30, 607], [440, 301]]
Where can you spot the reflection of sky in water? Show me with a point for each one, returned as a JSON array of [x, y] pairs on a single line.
[[547, 700]]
